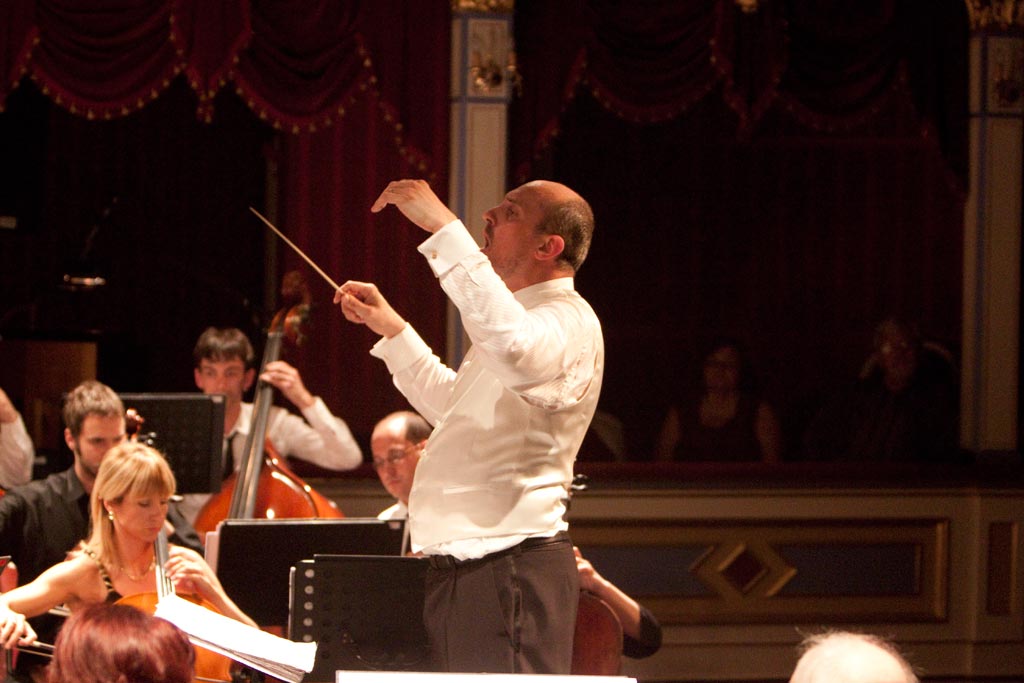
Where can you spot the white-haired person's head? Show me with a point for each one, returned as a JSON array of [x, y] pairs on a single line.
[[845, 657]]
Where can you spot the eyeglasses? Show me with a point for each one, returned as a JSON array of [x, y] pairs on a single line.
[[395, 455]]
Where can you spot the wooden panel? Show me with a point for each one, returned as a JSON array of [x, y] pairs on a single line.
[[786, 570], [1002, 567]]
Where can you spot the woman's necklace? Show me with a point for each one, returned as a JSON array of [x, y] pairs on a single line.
[[124, 570]]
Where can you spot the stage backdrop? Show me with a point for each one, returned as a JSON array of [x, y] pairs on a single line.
[[136, 135]]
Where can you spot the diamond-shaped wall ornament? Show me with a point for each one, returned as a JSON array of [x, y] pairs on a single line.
[[743, 570]]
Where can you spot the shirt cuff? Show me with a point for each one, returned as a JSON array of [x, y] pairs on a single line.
[[402, 350], [318, 413], [446, 247]]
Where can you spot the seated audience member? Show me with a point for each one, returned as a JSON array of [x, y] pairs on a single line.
[[641, 632], [225, 364], [16, 452], [903, 407], [107, 643], [128, 508], [725, 420], [844, 657], [396, 442]]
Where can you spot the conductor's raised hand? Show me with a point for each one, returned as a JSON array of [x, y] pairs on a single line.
[[362, 303], [417, 202]]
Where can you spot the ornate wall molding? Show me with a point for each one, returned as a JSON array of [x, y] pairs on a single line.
[[495, 6], [995, 14]]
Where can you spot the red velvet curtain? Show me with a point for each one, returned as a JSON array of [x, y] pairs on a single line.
[[359, 94], [788, 176], [329, 181]]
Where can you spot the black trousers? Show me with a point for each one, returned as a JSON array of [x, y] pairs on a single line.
[[513, 611]]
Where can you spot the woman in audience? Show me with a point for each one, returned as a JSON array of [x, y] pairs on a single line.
[[726, 420]]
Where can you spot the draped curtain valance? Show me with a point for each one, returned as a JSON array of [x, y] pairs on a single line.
[[298, 68], [833, 67], [787, 176]]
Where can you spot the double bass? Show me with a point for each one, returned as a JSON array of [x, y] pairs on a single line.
[[264, 486]]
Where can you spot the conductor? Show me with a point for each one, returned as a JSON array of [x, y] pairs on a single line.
[[489, 494]]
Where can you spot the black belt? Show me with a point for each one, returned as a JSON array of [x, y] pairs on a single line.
[[450, 562]]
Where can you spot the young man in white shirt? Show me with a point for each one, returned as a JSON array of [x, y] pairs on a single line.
[[488, 499], [225, 364]]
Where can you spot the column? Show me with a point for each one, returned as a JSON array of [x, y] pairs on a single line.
[[483, 80], [992, 224]]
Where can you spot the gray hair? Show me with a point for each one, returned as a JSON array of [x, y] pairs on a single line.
[[847, 657]]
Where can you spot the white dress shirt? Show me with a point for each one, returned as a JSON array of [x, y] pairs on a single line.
[[508, 424], [396, 511]]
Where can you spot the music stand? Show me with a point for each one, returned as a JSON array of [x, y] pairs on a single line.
[[255, 556], [364, 613], [188, 429]]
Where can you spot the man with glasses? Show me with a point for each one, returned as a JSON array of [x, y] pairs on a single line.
[[396, 443]]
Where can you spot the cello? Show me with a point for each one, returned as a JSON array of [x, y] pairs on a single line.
[[210, 667], [597, 640], [263, 486], [597, 643]]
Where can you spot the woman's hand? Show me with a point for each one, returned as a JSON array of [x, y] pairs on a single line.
[[190, 573], [14, 629]]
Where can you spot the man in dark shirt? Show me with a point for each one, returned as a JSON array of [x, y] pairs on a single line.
[[44, 519]]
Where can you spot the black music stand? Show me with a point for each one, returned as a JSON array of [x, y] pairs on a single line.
[[255, 556], [364, 613], [189, 430]]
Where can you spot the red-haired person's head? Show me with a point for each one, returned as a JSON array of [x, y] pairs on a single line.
[[110, 643]]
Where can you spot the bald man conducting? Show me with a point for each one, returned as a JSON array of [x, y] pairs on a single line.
[[844, 657], [488, 501]]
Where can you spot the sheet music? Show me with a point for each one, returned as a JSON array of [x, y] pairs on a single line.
[[270, 654]]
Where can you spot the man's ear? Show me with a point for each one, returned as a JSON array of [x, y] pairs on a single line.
[[69, 440], [249, 378], [551, 248]]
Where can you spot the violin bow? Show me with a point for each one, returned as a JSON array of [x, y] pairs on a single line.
[[297, 250]]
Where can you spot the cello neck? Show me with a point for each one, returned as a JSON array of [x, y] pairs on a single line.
[[164, 586], [243, 498]]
